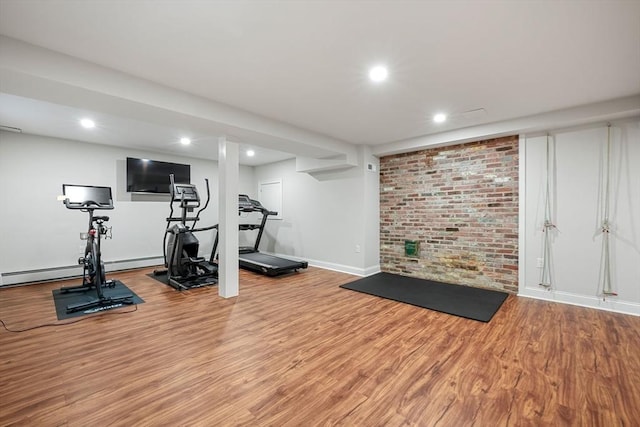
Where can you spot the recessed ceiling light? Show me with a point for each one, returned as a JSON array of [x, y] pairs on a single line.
[[87, 123], [251, 153], [378, 73], [439, 118], [185, 141]]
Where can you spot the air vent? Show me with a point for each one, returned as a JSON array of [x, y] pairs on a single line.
[[10, 129], [472, 114]]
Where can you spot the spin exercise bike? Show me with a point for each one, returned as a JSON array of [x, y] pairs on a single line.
[[87, 198], [183, 267]]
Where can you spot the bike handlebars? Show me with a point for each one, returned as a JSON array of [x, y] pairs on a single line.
[[88, 204]]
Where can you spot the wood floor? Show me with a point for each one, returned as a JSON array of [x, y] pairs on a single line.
[[300, 351]]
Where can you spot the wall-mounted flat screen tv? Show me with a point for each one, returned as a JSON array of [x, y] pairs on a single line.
[[152, 176]]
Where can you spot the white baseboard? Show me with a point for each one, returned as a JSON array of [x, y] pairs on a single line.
[[66, 272], [368, 271], [611, 303], [363, 272]]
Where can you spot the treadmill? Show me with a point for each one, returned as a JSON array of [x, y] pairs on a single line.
[[252, 259]]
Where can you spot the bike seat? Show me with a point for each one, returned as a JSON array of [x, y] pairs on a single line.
[[101, 218]]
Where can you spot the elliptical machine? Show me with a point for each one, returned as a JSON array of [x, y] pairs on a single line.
[[184, 268], [87, 198]]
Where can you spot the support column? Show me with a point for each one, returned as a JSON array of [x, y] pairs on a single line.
[[228, 278]]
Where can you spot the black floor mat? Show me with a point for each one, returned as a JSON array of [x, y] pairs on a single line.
[[162, 278], [463, 301], [62, 300], [204, 281]]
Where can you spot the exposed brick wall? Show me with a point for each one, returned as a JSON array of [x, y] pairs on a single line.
[[461, 203]]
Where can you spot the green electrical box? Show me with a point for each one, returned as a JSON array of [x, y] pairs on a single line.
[[412, 248]]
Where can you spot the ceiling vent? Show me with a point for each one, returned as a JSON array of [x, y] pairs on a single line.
[[10, 129]]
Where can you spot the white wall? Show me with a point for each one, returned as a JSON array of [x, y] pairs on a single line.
[[325, 216], [577, 181], [38, 232], [371, 210]]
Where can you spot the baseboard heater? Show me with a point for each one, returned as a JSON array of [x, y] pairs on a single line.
[[19, 278]]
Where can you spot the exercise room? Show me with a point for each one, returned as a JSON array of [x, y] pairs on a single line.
[[355, 213]]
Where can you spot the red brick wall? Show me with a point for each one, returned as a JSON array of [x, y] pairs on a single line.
[[461, 203]]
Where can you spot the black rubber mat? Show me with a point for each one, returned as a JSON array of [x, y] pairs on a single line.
[[162, 278], [201, 282], [63, 299], [463, 301]]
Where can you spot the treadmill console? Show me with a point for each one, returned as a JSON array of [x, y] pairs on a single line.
[[244, 203], [247, 204]]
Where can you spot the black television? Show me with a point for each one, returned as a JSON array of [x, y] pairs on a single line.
[[152, 176]]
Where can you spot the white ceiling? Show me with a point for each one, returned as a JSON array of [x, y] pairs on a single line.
[[60, 121], [305, 63]]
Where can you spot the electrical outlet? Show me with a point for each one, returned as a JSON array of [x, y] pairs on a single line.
[[357, 249], [539, 263]]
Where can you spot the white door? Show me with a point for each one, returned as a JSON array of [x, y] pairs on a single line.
[[270, 195]]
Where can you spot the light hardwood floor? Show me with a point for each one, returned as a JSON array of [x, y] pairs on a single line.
[[300, 351]]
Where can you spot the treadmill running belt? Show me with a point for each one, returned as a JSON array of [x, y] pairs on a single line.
[[269, 264]]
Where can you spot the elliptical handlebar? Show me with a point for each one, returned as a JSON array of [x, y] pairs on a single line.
[[206, 182], [211, 227], [187, 195]]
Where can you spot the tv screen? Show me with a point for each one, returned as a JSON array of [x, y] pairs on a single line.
[[152, 176]]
